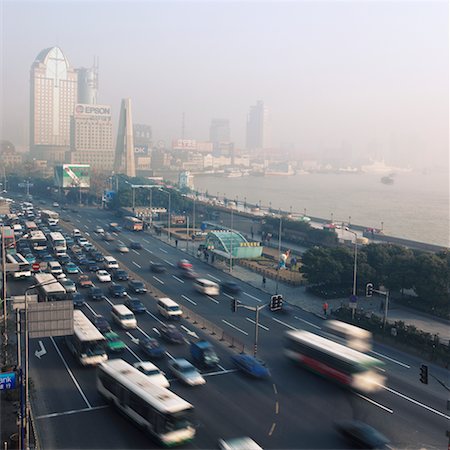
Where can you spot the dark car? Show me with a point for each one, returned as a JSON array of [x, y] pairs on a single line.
[[151, 347], [117, 290], [362, 435], [230, 287], [190, 274], [102, 324], [137, 287], [135, 245], [78, 300], [108, 237], [120, 275], [135, 305], [92, 266], [171, 334], [95, 293], [98, 257], [69, 241], [64, 259], [157, 268], [251, 366]]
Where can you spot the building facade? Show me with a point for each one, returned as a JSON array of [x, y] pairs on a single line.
[[87, 85], [53, 95], [258, 127]]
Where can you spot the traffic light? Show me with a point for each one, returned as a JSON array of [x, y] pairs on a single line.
[[369, 290], [276, 302], [234, 304], [424, 374]]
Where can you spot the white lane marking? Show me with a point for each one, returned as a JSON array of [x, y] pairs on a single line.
[[158, 280], [145, 240], [390, 411], [417, 403], [154, 317], [309, 323], [168, 262], [73, 411], [275, 389], [253, 297], [213, 277], [143, 332], [90, 308], [87, 228], [133, 250], [259, 325], [147, 250], [89, 220], [189, 300], [86, 233], [285, 324], [391, 359], [164, 251], [134, 354], [178, 279], [71, 374], [77, 220], [219, 372], [212, 299], [136, 264], [228, 295], [220, 367], [235, 327], [272, 428], [170, 356]]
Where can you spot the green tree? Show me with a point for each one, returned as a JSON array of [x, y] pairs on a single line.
[[432, 278], [320, 267]]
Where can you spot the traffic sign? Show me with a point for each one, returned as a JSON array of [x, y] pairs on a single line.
[[36, 266], [7, 381], [353, 299]]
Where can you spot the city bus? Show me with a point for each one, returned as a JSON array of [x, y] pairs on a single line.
[[49, 289], [51, 217], [335, 361], [30, 226], [18, 267], [37, 240], [158, 411], [58, 243], [133, 223], [86, 343], [350, 335]]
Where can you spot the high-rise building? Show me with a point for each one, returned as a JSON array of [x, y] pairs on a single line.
[[258, 127], [219, 131], [124, 156], [53, 95], [142, 136], [87, 85]]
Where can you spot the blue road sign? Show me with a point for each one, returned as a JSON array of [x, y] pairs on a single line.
[[7, 381], [353, 299]]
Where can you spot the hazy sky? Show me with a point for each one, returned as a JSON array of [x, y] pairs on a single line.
[[370, 77]]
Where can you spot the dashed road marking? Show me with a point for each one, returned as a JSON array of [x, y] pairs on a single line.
[[259, 325], [72, 411], [135, 251], [253, 297], [158, 280], [309, 323], [178, 279], [391, 359], [272, 429], [136, 264], [163, 250], [213, 277], [189, 300], [212, 299], [147, 250], [168, 262], [234, 326], [285, 324]]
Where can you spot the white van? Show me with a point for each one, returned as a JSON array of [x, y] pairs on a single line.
[[206, 287], [169, 309], [110, 263], [123, 316], [76, 232], [54, 267]]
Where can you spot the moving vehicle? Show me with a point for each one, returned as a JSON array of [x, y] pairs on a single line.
[[168, 308], [184, 264], [135, 305], [50, 217], [171, 334], [190, 274], [37, 240], [113, 226], [101, 324], [120, 275], [117, 290], [157, 268], [54, 267], [203, 354], [250, 366], [350, 335], [95, 293], [153, 373], [136, 245], [87, 343], [122, 248], [99, 230], [344, 365], [57, 243], [49, 289], [133, 223], [71, 268], [78, 300], [123, 316], [239, 443], [186, 372], [151, 347], [114, 343], [18, 266], [85, 282], [137, 287], [362, 435], [92, 266], [76, 233], [108, 237], [110, 263], [68, 285], [230, 287], [153, 408], [207, 287], [103, 276]]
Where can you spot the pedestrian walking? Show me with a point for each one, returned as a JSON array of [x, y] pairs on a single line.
[[325, 309], [176, 242], [264, 281]]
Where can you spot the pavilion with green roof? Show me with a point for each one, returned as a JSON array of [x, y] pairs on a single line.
[[228, 243]]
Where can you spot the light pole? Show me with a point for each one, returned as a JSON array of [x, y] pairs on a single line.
[[354, 266], [279, 254], [168, 217], [187, 232], [231, 242]]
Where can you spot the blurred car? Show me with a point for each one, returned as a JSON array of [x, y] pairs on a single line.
[[184, 264], [171, 334], [151, 347], [108, 237], [135, 305], [120, 275], [137, 287], [68, 285], [157, 268], [71, 268], [362, 435], [30, 258], [82, 241], [61, 276], [55, 204], [251, 366], [135, 245], [103, 276], [122, 248], [99, 230], [230, 287], [153, 373], [98, 257], [47, 258], [95, 293], [64, 259], [102, 324], [92, 266], [186, 372], [85, 282], [190, 274], [114, 343], [240, 443], [78, 300], [117, 290]]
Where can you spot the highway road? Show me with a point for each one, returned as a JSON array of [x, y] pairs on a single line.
[[294, 409]]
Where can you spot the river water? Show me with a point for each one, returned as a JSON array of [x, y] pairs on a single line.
[[415, 207]]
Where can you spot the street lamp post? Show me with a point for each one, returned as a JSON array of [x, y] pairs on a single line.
[[169, 213], [279, 255], [231, 242], [354, 266]]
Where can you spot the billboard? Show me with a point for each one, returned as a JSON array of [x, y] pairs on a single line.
[[141, 150], [184, 144], [82, 110], [73, 175]]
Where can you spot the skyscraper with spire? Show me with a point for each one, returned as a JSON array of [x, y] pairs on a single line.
[[124, 157]]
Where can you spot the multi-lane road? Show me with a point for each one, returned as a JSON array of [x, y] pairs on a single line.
[[294, 409]]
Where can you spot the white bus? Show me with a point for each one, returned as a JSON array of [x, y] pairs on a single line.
[[58, 243], [350, 335], [29, 226], [344, 365], [18, 266], [158, 411], [49, 289], [37, 240], [87, 344], [51, 217]]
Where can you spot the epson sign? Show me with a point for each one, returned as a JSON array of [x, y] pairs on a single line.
[[93, 110]]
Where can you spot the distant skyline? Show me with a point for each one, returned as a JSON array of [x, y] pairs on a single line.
[[361, 78]]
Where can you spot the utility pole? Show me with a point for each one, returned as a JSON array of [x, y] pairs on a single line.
[[279, 254], [231, 242], [5, 309]]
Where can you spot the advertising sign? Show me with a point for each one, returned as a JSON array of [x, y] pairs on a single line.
[[184, 144], [7, 381], [141, 150], [73, 175], [82, 109]]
